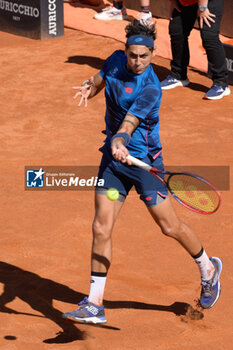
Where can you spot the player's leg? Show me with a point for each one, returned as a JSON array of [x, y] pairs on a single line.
[[155, 195], [210, 268], [91, 309], [106, 212], [165, 216]]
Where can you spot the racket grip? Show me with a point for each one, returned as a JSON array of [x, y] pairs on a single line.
[[139, 163]]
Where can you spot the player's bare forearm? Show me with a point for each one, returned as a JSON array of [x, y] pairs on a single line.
[[129, 124]]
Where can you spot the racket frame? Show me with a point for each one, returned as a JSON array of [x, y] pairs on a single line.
[[155, 172]]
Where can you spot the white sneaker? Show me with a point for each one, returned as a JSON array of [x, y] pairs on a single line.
[[111, 13], [145, 18]]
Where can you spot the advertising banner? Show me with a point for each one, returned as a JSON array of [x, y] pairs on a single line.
[[37, 19]]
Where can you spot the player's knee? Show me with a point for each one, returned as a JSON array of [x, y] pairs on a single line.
[[100, 230], [171, 230]]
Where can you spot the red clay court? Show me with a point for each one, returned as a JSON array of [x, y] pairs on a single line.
[[153, 285]]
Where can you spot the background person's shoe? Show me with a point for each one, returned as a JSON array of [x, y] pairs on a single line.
[[87, 313], [211, 289], [111, 13], [145, 18], [216, 92], [171, 83]]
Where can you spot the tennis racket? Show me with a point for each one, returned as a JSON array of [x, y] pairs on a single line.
[[190, 190]]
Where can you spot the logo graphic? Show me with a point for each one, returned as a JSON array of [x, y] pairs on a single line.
[[35, 178], [94, 310], [138, 40], [129, 90], [114, 71]]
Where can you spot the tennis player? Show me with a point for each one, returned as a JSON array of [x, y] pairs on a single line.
[[133, 96]]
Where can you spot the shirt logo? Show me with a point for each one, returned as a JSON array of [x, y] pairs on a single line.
[[114, 71], [129, 90]]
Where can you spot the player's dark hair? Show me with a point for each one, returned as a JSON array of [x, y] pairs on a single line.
[[137, 28]]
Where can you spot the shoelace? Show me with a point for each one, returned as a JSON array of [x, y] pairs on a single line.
[[207, 288], [143, 19], [170, 78], [108, 8], [143, 15], [217, 88], [84, 301]]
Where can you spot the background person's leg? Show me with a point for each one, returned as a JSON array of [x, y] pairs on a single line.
[[180, 27], [213, 46], [215, 53], [115, 12], [145, 16]]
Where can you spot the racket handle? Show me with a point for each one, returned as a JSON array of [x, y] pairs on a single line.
[[139, 163]]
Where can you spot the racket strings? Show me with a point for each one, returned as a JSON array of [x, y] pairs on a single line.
[[194, 192]]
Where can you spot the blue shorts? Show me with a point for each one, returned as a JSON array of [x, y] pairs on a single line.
[[123, 177]]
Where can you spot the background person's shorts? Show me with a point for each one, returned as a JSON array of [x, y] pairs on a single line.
[[123, 177]]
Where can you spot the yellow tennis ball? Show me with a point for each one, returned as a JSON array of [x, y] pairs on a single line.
[[112, 194]]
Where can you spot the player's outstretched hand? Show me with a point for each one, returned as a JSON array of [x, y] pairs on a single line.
[[84, 91], [206, 17]]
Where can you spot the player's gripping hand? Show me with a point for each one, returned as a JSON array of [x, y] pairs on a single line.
[[84, 91], [119, 151], [206, 17]]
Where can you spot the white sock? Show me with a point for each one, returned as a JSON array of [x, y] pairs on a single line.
[[97, 286], [205, 265]]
